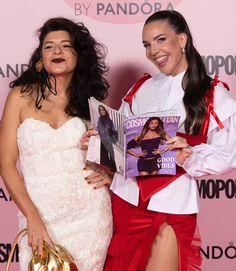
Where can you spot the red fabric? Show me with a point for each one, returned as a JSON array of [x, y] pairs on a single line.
[[130, 95], [136, 229], [210, 108]]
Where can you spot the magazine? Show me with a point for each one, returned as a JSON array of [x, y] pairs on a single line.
[[147, 152], [134, 146]]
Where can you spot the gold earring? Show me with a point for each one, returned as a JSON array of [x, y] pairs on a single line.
[[39, 65], [183, 50]]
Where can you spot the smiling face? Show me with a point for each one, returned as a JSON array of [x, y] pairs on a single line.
[[164, 47], [58, 56]]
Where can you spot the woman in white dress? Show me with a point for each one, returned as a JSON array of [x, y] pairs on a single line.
[[43, 120]]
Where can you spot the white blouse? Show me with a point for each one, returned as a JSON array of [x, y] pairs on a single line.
[[218, 156]]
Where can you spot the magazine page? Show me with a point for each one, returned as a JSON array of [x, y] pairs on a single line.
[[147, 152], [107, 148]]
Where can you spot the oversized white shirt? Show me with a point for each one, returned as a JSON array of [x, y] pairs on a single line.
[[218, 156]]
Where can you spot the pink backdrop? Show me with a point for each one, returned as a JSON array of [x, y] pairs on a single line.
[[118, 25]]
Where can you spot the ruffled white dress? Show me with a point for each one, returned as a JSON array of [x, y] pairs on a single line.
[[76, 215]]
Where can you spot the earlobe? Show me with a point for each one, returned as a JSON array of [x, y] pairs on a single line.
[[183, 40]]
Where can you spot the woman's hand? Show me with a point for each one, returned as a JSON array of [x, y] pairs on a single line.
[[99, 177], [183, 151], [182, 155], [157, 151], [84, 141], [142, 154], [177, 142], [37, 233]]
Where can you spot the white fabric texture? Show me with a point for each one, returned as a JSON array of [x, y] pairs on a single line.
[[76, 215], [163, 93]]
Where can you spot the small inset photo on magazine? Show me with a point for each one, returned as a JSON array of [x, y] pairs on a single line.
[[107, 147]]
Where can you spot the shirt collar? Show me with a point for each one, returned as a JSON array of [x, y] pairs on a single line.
[[176, 91]]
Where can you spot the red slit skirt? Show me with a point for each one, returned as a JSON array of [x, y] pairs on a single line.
[[135, 231]]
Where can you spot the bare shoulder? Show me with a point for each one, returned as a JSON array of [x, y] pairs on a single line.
[[15, 95], [16, 100], [9, 124], [14, 104]]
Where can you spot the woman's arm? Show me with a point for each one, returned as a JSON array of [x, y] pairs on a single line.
[[216, 157], [132, 144], [135, 154], [10, 175]]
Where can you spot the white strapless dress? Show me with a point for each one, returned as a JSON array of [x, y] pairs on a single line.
[[76, 215]]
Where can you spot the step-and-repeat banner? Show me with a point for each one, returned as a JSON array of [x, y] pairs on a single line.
[[118, 25]]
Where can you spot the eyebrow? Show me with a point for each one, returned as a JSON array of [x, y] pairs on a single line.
[[53, 41], [156, 37]]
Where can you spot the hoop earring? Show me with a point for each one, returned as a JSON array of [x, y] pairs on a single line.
[[183, 50], [39, 66]]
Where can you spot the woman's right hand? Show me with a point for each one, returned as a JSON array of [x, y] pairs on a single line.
[[37, 234], [84, 141]]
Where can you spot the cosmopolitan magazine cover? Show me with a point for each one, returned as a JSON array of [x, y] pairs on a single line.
[[147, 151]]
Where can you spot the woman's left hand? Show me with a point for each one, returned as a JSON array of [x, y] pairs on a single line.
[[99, 177], [182, 155], [157, 151], [177, 142]]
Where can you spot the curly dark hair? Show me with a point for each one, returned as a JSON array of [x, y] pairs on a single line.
[[88, 77], [196, 82]]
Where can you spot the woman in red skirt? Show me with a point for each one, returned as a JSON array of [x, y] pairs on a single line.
[[155, 216]]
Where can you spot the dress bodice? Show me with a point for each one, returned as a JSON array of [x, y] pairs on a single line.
[[52, 165], [45, 151], [149, 145]]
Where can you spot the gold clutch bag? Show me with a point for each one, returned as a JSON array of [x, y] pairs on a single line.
[[58, 259]]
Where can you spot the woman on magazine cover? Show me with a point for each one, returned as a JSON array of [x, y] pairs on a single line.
[[44, 118], [151, 136], [108, 136], [155, 216]]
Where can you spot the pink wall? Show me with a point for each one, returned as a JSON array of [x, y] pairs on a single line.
[[212, 24]]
